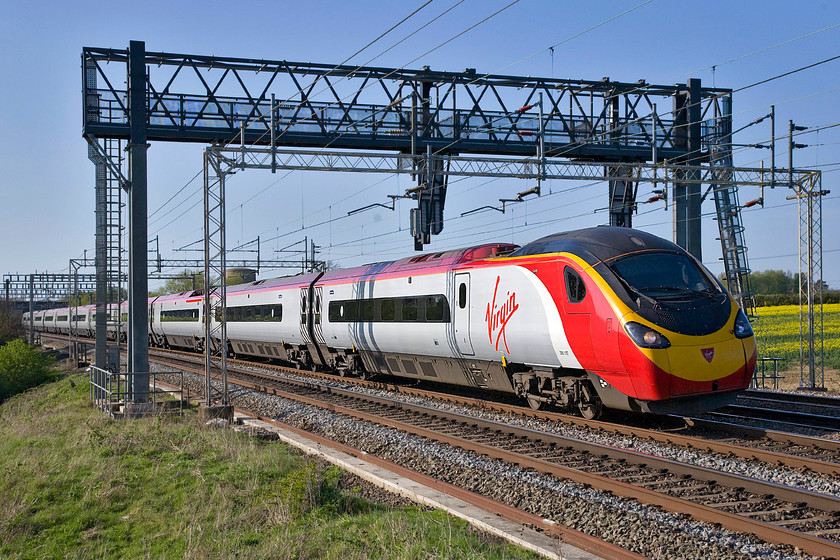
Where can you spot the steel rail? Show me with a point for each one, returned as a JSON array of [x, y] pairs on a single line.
[[796, 398], [785, 417]]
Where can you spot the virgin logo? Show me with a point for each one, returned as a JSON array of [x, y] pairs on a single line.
[[708, 353], [497, 317]]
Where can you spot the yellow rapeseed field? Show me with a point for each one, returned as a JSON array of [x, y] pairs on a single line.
[[777, 335]]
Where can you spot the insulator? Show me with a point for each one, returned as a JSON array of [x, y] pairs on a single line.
[[525, 108], [525, 132], [654, 198], [753, 202]]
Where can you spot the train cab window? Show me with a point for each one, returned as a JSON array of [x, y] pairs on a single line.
[[437, 310], [409, 309], [386, 309], [462, 296], [575, 288]]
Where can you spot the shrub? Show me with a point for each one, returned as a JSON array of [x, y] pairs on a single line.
[[21, 367], [10, 324]]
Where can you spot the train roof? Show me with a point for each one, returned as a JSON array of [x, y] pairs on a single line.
[[422, 264], [597, 244]]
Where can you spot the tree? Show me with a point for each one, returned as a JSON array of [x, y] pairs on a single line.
[[187, 280], [768, 282], [89, 298], [11, 326]]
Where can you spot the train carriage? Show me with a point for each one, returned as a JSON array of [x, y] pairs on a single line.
[[263, 319], [588, 319], [178, 320]]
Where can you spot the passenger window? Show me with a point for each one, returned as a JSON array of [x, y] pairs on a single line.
[[436, 309], [575, 288], [351, 311], [366, 308], [386, 309], [409, 309], [336, 310]]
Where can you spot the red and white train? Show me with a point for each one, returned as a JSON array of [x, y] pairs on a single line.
[[593, 318]]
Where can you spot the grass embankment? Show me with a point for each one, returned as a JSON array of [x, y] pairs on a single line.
[[75, 484], [777, 335]]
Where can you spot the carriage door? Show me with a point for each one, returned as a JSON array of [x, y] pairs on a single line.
[[304, 314], [317, 327], [576, 320], [461, 317]]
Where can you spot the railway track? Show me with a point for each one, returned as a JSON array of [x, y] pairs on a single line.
[[729, 435], [788, 411], [775, 513], [776, 448]]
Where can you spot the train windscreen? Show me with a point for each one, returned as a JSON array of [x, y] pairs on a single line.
[[660, 275]]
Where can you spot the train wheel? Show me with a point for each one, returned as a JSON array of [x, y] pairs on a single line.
[[534, 402], [591, 410]]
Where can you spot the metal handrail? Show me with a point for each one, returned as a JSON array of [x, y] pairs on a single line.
[[113, 393]]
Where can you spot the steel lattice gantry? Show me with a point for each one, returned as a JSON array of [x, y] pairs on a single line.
[[46, 285], [427, 117], [192, 98]]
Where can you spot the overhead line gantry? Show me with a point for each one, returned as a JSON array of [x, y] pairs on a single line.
[[428, 120]]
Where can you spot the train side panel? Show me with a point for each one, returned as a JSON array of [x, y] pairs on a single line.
[[401, 334], [512, 314]]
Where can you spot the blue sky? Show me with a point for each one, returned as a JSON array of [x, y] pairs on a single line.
[[47, 181]]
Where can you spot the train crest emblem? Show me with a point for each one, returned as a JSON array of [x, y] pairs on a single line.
[[708, 353], [498, 315]]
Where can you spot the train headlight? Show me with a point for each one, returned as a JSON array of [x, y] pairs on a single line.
[[742, 329], [646, 337]]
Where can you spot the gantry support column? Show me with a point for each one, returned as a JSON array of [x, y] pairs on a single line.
[[215, 298], [138, 284], [733, 246], [98, 159], [809, 194], [31, 310], [687, 111]]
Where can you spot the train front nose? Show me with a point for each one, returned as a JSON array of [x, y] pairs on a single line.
[[710, 365], [668, 365]]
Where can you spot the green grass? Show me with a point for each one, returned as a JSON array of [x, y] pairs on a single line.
[[76, 484]]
